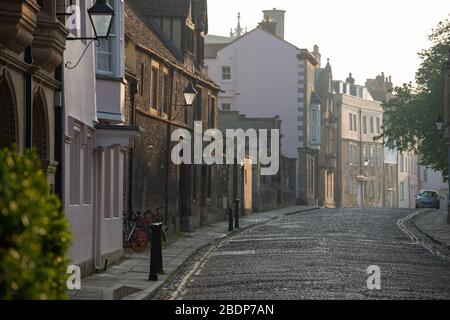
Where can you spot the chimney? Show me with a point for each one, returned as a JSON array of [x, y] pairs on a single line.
[[276, 16], [317, 55], [350, 79], [269, 26]]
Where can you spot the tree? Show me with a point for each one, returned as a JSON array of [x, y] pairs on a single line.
[[411, 114], [34, 233]]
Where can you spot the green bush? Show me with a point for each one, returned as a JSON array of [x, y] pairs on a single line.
[[34, 232]]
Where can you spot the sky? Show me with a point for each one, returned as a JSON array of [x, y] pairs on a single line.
[[364, 37]]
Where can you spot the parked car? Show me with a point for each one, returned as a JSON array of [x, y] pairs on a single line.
[[428, 199]]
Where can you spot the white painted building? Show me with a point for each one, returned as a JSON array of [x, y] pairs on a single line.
[[263, 75], [95, 141]]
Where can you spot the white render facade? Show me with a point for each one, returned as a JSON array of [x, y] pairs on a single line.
[[95, 144]]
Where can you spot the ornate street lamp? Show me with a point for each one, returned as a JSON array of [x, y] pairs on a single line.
[[366, 162], [101, 15], [439, 123], [190, 94]]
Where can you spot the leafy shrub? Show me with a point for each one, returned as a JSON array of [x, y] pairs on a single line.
[[34, 232]]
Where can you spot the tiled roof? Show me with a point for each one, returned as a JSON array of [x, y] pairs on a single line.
[[152, 36], [161, 8], [201, 15]]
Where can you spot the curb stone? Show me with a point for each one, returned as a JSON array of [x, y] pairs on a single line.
[[429, 236]]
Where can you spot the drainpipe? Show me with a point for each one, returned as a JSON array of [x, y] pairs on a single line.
[[28, 99], [59, 134], [133, 92], [167, 160], [360, 159]]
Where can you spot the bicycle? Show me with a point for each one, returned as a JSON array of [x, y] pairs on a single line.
[[137, 228], [134, 235]]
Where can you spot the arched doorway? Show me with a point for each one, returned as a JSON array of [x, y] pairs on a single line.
[[8, 116], [40, 132]]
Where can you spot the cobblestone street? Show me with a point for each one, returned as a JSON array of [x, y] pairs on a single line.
[[322, 254]]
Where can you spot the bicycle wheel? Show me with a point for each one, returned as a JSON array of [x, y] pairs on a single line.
[[139, 241]]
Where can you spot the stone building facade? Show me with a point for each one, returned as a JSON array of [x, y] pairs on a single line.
[[327, 155], [360, 158], [381, 89], [309, 128], [32, 43], [268, 192], [162, 59]]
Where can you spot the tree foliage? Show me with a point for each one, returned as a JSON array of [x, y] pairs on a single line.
[[411, 115], [34, 233]]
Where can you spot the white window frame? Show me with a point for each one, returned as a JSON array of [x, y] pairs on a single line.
[[226, 73], [116, 42]]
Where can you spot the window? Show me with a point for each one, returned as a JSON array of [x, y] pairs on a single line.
[[378, 125], [212, 113], [372, 162], [226, 73], [314, 125], [351, 121], [364, 124], [350, 154], [104, 56], [354, 123], [165, 93], [87, 152], [142, 78], [425, 174], [402, 191], [226, 106], [75, 167], [371, 189], [154, 92], [371, 125], [401, 162], [105, 48]]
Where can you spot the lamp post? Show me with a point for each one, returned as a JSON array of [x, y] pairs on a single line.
[[190, 93], [446, 72]]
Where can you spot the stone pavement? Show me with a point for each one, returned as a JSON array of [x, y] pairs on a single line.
[[434, 224], [129, 279]]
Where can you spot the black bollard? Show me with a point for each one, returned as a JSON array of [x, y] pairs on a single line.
[[230, 219], [156, 263], [236, 214]]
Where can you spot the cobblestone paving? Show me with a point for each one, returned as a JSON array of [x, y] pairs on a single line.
[[321, 254]]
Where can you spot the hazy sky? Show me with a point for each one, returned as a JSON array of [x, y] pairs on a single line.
[[364, 37]]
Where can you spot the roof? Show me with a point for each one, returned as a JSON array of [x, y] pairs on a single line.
[[151, 35], [162, 8], [213, 39], [201, 15], [217, 43]]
